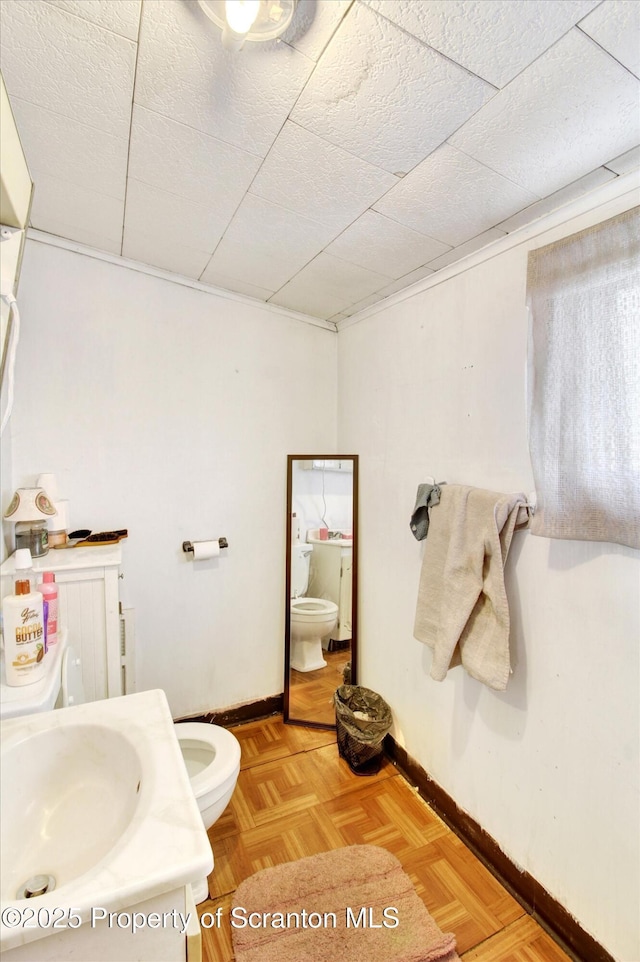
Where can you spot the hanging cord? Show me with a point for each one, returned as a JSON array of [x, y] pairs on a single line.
[[324, 500], [11, 360]]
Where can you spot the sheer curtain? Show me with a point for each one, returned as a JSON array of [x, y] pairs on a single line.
[[583, 295]]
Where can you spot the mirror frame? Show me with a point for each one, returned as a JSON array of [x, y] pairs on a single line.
[[288, 720]]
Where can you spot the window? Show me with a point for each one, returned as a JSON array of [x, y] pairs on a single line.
[[583, 294]]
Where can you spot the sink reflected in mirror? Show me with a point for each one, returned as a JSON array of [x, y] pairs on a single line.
[[321, 585], [68, 796]]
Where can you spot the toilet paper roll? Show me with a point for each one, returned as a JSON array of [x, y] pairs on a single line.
[[203, 550]]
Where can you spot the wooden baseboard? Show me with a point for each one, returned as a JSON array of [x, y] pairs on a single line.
[[242, 714], [542, 906]]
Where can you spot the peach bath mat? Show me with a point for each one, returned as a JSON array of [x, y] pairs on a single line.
[[350, 904]]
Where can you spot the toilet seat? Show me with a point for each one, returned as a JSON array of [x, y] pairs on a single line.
[[215, 755], [312, 609]]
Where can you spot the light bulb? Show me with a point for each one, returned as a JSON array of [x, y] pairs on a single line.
[[241, 14]]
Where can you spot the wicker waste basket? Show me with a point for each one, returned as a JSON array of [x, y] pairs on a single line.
[[363, 718]]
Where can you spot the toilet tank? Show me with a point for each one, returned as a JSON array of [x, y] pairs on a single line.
[[300, 569]]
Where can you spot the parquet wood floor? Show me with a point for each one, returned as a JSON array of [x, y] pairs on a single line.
[[295, 797], [311, 692]]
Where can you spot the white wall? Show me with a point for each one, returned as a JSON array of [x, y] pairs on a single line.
[[434, 385], [322, 499], [170, 411]]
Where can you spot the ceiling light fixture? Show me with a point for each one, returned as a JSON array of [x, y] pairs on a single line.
[[242, 20]]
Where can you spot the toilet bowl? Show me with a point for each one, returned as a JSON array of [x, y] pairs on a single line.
[[212, 759], [312, 619]]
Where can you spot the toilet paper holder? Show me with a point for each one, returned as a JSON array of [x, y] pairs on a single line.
[[187, 546]]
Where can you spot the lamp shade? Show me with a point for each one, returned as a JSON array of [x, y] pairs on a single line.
[[30, 504]]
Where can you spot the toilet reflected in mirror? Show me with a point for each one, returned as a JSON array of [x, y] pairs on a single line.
[[320, 632], [312, 619]]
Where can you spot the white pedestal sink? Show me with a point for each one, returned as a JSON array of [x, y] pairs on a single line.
[[98, 820]]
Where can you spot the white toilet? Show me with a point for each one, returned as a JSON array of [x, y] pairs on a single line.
[[212, 758], [312, 619]]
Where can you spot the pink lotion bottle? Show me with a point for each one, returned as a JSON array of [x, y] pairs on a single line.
[[49, 591]]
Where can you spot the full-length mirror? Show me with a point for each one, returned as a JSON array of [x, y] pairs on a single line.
[[321, 585]]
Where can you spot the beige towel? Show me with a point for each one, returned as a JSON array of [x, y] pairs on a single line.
[[462, 611]]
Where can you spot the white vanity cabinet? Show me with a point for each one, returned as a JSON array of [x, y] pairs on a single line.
[[111, 934], [330, 577], [89, 608]]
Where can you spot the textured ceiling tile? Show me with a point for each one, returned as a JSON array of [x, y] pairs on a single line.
[[76, 213], [90, 239], [379, 244], [153, 211], [210, 117], [561, 197], [452, 197], [161, 251], [471, 245], [306, 174], [122, 17], [328, 285], [233, 284], [314, 24], [615, 25], [313, 301], [71, 151], [630, 160], [406, 281], [494, 39], [363, 304], [266, 244], [342, 278], [185, 73], [65, 64], [173, 157], [562, 117], [384, 96]]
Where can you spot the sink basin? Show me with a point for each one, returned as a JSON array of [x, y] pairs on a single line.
[[96, 810], [79, 788]]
